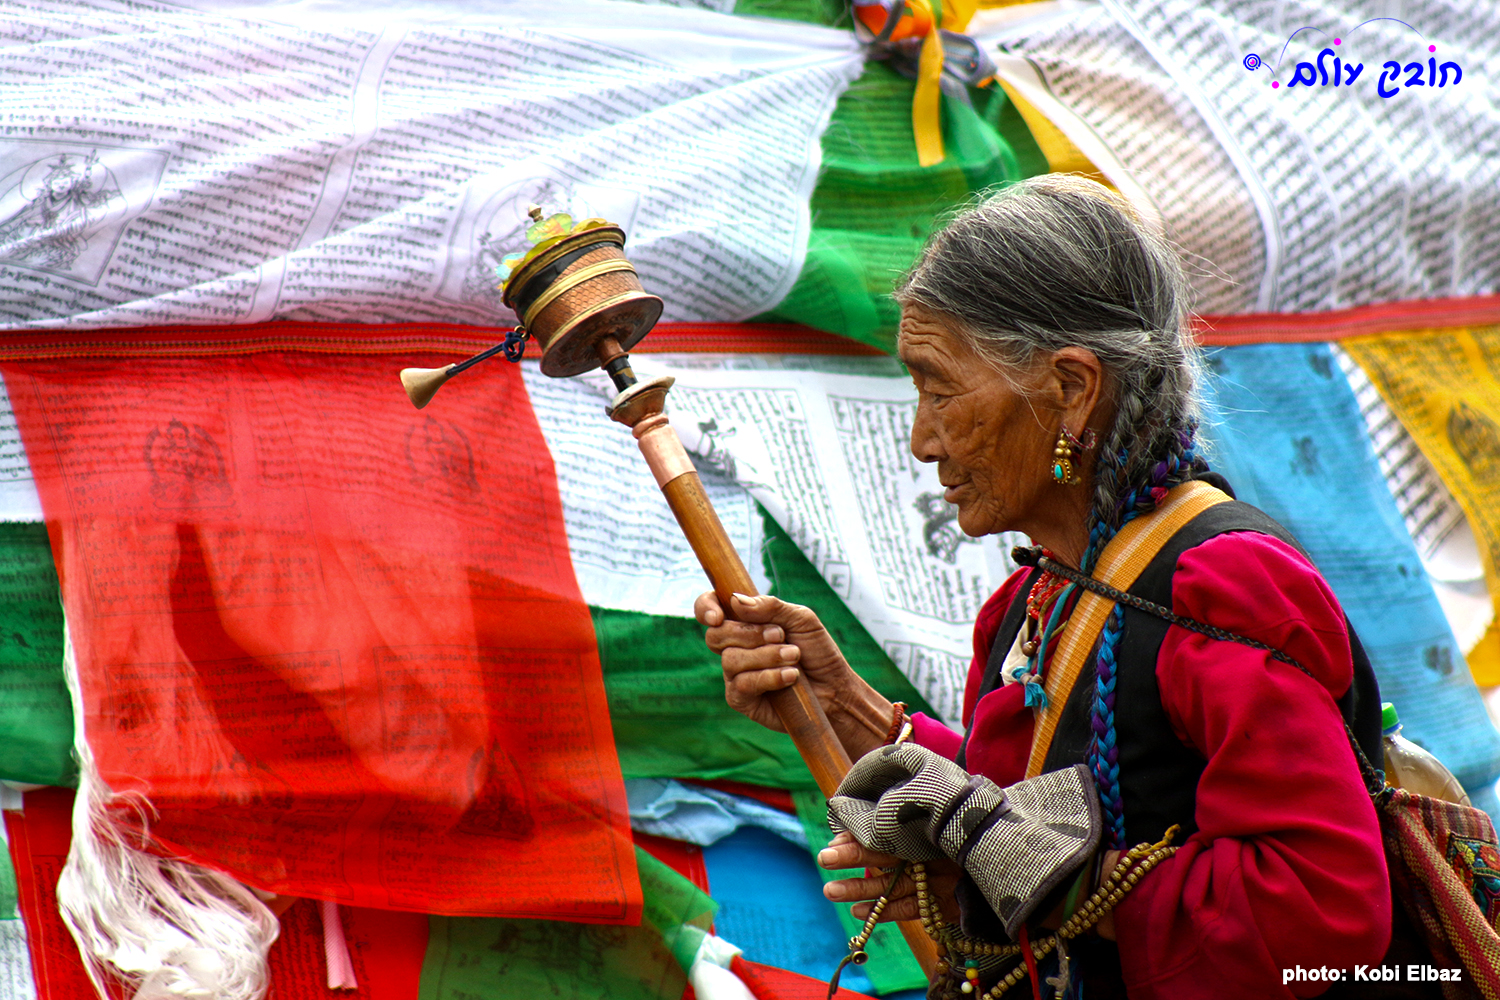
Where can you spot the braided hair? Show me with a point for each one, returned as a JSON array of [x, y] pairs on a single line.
[[1061, 261]]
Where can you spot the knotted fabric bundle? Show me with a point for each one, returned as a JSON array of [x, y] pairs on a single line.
[[1016, 843]]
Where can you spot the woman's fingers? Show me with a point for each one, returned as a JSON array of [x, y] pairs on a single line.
[[904, 908], [753, 683], [847, 890], [738, 662], [843, 851], [740, 635], [901, 900], [707, 610], [759, 610], [767, 610], [767, 645], [762, 609]]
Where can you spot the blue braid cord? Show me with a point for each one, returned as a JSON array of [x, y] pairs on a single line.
[[515, 344], [1104, 755]]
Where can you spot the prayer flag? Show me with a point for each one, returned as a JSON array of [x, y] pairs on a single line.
[[39, 840], [477, 957], [36, 717], [1444, 386], [386, 948], [664, 690], [335, 642], [393, 957]]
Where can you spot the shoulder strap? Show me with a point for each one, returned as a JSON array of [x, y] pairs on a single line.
[[1125, 557], [1359, 705], [1373, 776]]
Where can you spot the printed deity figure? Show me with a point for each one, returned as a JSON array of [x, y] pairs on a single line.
[[52, 227]]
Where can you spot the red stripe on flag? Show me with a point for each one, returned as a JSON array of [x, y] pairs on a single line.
[[1336, 324], [776, 798], [39, 839], [682, 338], [335, 641], [398, 338]]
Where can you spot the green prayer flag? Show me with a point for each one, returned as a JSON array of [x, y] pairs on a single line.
[[9, 896], [875, 204], [475, 958], [666, 703], [36, 714], [829, 13]]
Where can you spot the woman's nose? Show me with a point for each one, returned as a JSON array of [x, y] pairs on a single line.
[[925, 443]]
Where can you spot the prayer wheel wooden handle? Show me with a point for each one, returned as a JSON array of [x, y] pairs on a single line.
[[598, 329], [797, 707]]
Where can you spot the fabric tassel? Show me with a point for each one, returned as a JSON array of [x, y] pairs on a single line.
[[166, 928], [336, 949], [1036, 693], [926, 102]]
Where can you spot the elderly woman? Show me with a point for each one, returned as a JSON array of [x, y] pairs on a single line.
[[1045, 330]]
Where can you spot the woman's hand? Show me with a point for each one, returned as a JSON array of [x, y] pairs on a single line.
[[846, 852], [764, 647]]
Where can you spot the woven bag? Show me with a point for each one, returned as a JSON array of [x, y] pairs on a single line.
[[1444, 860]]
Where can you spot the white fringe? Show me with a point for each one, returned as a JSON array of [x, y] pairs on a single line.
[[167, 928]]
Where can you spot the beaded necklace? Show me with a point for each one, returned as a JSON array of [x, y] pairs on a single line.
[[1048, 605]]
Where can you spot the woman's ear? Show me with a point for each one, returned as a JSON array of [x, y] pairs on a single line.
[[1074, 384]]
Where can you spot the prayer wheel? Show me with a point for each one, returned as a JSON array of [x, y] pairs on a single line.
[[577, 295], [577, 291]]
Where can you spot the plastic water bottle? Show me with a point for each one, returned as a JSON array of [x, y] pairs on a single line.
[[1410, 767]]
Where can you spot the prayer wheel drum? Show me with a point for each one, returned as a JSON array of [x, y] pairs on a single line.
[[577, 292]]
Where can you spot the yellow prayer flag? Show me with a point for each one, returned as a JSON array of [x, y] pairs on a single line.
[[1063, 157], [1444, 387], [958, 13]]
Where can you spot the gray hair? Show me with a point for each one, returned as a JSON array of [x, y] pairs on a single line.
[[1061, 261]]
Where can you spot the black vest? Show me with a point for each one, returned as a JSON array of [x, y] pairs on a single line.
[[1158, 772]]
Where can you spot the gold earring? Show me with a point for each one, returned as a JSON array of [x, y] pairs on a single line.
[[1062, 460]]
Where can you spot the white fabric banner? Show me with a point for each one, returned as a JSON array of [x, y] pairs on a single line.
[[372, 163], [1361, 186]]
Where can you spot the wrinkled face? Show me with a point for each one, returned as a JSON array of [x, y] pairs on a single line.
[[992, 448]]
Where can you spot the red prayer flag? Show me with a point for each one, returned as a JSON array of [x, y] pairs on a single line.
[[39, 839], [770, 983], [336, 642], [386, 948]]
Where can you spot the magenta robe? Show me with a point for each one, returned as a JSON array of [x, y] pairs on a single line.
[[1286, 868]]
